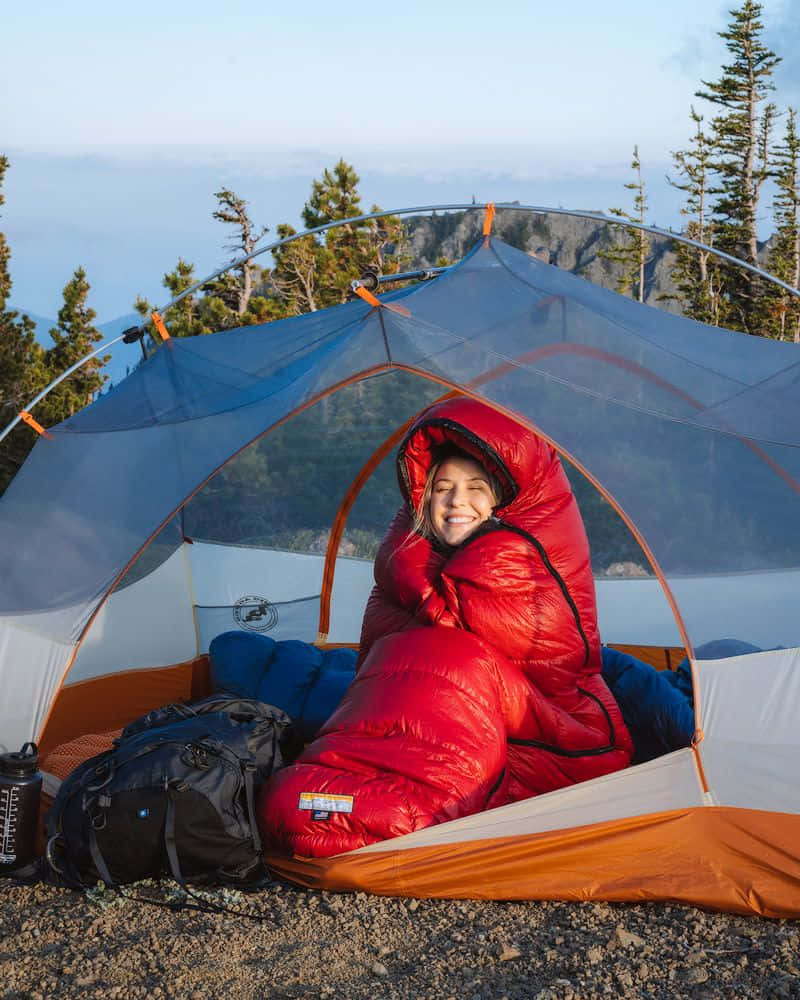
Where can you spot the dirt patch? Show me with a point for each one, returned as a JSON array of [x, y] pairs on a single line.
[[57, 943]]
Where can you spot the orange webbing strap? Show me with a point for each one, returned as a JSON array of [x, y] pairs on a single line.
[[367, 296], [160, 325], [29, 420], [488, 219], [376, 303]]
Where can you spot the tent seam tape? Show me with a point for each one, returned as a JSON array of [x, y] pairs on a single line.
[[192, 597]]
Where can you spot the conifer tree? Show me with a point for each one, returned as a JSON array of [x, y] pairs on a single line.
[[226, 301], [334, 196], [23, 373], [184, 319], [296, 274], [741, 132], [313, 273], [235, 291], [783, 309], [73, 339], [631, 249], [696, 271]]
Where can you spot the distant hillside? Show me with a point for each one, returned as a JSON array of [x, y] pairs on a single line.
[[43, 325], [566, 241]]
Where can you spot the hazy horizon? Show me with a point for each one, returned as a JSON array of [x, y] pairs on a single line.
[[125, 128]]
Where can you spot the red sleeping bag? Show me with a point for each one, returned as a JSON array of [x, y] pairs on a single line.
[[479, 679]]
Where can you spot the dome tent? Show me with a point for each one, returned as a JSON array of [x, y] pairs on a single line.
[[693, 432]]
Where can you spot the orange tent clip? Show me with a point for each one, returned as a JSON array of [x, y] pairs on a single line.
[[29, 420], [488, 219], [376, 303], [160, 325], [367, 296]]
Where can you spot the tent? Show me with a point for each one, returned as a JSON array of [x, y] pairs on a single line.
[[113, 584]]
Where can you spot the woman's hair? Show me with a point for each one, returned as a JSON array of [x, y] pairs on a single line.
[[422, 517]]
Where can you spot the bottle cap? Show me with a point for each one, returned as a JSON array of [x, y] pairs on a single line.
[[21, 762]]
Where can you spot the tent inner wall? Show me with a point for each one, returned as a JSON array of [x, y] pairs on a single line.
[[257, 531], [284, 493]]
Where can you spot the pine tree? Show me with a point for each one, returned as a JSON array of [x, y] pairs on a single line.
[[741, 134], [23, 373], [185, 318], [313, 273], [227, 301], [696, 271], [783, 309], [73, 339], [5, 253], [235, 290], [334, 196], [630, 251], [296, 274]]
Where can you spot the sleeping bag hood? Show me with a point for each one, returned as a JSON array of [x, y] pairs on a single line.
[[511, 453]]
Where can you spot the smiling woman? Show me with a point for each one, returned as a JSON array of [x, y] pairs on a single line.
[[459, 496]]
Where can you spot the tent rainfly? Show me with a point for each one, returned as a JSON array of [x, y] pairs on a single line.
[[691, 432]]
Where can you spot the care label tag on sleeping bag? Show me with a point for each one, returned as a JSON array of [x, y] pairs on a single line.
[[317, 802]]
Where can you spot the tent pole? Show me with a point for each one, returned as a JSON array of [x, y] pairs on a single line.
[[58, 381], [130, 335]]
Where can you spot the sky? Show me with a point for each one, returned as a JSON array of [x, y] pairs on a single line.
[[120, 121]]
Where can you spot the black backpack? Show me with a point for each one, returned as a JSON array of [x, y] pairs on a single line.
[[174, 796]]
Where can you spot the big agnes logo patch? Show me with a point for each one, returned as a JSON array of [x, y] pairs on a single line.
[[255, 613]]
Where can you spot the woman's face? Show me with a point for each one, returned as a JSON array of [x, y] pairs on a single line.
[[461, 499]]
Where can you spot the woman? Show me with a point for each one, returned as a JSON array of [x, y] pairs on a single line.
[[479, 679]]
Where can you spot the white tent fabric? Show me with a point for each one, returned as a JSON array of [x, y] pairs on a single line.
[[748, 711], [669, 782]]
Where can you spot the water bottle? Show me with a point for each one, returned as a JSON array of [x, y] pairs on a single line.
[[20, 785]]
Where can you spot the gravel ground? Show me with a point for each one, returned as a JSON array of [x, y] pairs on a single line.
[[57, 943]]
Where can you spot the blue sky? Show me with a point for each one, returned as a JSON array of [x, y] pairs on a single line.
[[121, 121]]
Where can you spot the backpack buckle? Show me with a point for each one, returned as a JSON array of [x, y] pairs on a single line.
[[195, 755]]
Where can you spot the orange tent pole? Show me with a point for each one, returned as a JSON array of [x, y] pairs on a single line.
[[343, 513]]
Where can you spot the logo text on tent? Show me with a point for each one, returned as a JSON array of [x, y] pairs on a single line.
[[255, 613]]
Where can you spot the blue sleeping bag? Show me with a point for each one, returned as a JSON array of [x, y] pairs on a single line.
[[306, 682], [658, 705]]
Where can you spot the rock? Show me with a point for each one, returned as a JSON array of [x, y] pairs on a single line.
[[413, 904], [508, 952], [625, 939], [697, 974], [379, 969]]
